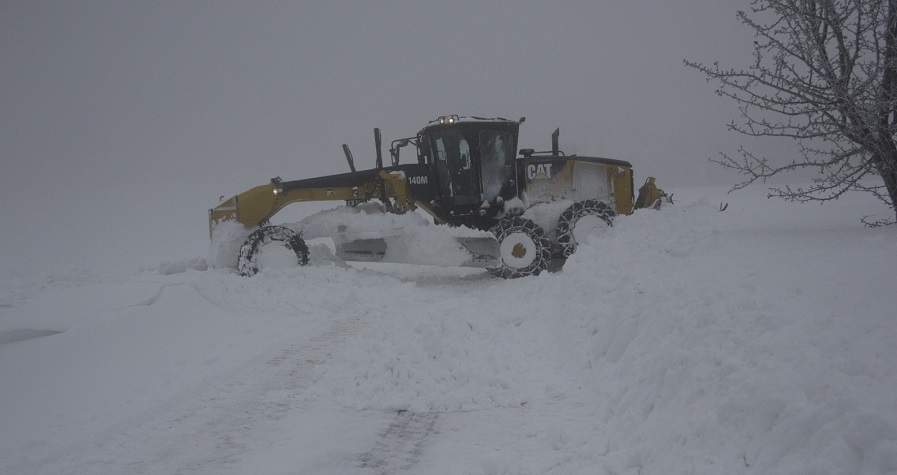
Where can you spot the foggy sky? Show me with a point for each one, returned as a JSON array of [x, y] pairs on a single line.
[[121, 123]]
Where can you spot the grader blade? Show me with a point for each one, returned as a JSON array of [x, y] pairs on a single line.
[[363, 250], [485, 252], [482, 252]]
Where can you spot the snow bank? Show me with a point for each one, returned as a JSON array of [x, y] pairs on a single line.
[[708, 356], [677, 333], [409, 237], [686, 340], [224, 245]]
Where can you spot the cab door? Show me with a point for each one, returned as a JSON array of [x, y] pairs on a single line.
[[456, 172], [497, 164]]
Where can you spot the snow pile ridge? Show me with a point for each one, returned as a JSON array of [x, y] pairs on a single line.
[[661, 332], [686, 340]]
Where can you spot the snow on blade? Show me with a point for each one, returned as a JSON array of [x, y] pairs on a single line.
[[409, 238]]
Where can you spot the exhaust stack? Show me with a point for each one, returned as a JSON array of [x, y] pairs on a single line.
[[555, 148]]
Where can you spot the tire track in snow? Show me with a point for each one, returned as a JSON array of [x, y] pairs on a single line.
[[401, 445], [212, 427], [290, 372]]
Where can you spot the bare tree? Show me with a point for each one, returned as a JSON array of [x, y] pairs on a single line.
[[824, 74]]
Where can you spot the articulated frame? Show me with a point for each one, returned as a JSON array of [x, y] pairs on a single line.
[[256, 206]]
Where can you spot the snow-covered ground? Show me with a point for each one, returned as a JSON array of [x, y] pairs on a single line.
[[756, 340]]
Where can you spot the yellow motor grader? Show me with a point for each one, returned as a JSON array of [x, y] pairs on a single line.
[[510, 214]]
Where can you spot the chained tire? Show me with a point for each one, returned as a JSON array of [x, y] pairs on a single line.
[[580, 220], [267, 237], [525, 250]]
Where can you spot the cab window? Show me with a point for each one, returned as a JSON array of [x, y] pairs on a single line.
[[454, 166], [497, 161]]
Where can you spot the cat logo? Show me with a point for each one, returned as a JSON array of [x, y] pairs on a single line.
[[418, 180], [541, 171]]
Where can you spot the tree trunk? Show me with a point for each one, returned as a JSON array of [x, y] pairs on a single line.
[[886, 163], [888, 171]]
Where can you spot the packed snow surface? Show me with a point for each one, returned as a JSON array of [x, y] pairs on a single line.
[[756, 340]]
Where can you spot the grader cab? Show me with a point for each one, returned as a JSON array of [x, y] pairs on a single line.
[[467, 175]]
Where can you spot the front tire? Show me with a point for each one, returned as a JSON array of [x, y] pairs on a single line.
[[580, 220], [524, 248], [270, 236]]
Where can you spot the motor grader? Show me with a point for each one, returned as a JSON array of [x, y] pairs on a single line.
[[513, 215]]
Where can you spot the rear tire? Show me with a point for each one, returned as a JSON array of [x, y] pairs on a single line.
[[524, 248], [248, 263], [589, 215]]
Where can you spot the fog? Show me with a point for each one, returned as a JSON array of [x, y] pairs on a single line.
[[121, 123]]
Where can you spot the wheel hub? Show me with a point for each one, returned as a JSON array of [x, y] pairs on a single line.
[[518, 250]]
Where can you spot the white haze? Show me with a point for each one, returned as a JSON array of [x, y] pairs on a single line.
[[756, 340], [118, 116]]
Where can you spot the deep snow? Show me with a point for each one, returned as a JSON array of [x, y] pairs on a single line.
[[687, 340]]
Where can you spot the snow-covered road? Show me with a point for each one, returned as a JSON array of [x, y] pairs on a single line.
[[755, 340]]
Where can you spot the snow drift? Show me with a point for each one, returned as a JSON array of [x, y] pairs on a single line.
[[685, 340]]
